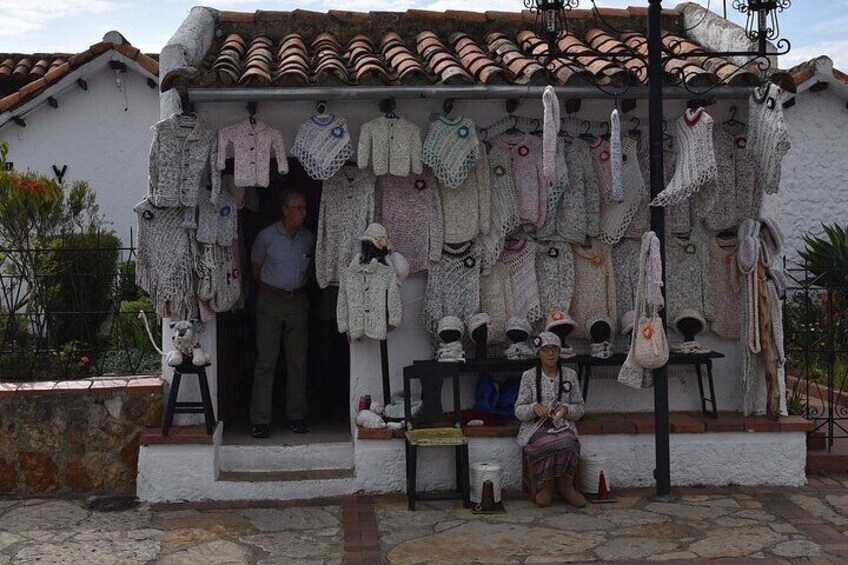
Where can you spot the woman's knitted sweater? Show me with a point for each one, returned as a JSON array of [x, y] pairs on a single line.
[[497, 299], [732, 198], [453, 285], [347, 207], [466, 209], [322, 146], [768, 140], [555, 275], [392, 145], [369, 298], [696, 163], [451, 149], [625, 262], [531, 189], [594, 286], [411, 210], [504, 206], [556, 189], [687, 274], [617, 216], [571, 396], [521, 261], [577, 215], [726, 320]]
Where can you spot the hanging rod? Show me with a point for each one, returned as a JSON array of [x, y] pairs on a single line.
[[440, 92]]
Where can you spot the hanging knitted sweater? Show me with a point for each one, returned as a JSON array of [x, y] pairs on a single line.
[[577, 214], [521, 261], [369, 298], [252, 141], [451, 149], [768, 140], [183, 156], [556, 189], [393, 145], [696, 163], [497, 299], [504, 207], [555, 275], [616, 216], [218, 276], [594, 286], [165, 260], [216, 223], [725, 284], [466, 209], [736, 190], [453, 285], [625, 261], [411, 211], [347, 207], [678, 217], [322, 145], [688, 279], [531, 188]]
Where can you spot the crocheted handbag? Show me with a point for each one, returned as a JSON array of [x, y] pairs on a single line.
[[650, 344]]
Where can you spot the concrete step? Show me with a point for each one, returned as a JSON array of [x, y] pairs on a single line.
[[285, 458], [285, 476]]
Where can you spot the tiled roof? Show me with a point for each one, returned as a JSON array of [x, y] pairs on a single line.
[[415, 47], [22, 77], [820, 67]]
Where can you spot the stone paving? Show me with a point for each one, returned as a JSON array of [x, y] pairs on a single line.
[[732, 526]]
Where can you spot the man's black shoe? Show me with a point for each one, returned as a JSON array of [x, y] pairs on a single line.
[[261, 431], [299, 426]]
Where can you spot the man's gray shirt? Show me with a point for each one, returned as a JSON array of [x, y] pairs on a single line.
[[285, 259]]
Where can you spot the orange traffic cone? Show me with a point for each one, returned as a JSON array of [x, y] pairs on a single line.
[[603, 491]]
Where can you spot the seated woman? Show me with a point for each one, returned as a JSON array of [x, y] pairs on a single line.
[[549, 403]]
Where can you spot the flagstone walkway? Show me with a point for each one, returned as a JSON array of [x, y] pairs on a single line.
[[730, 526]]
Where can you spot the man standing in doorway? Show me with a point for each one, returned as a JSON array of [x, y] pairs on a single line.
[[281, 258]]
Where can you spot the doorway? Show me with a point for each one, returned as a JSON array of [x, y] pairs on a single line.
[[328, 372]]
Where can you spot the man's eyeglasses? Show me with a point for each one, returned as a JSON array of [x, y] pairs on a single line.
[[297, 208]]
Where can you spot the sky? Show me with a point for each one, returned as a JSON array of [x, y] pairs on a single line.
[[815, 27]]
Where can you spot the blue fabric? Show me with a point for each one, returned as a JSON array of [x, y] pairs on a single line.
[[485, 394], [505, 404]]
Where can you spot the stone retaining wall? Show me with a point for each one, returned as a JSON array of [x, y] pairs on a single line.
[[75, 437]]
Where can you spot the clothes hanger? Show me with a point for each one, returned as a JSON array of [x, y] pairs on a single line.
[[586, 134], [321, 108], [387, 106], [251, 109], [635, 130], [186, 107], [563, 130], [605, 126]]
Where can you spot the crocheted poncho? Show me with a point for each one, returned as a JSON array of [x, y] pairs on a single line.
[[466, 209], [165, 260], [252, 144], [521, 261], [322, 146], [737, 193], [625, 262], [369, 297], [453, 285], [451, 149], [555, 275], [577, 214], [392, 145], [183, 156], [687, 276], [497, 299], [573, 398], [504, 207], [411, 211], [768, 140], [594, 286], [696, 163], [531, 188], [616, 216], [347, 207], [725, 284]]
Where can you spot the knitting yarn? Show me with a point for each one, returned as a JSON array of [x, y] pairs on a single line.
[[482, 472], [696, 163], [451, 149], [322, 146], [768, 139]]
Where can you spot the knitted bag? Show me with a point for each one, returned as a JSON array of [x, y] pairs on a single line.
[[322, 146], [768, 140], [451, 149], [696, 163], [650, 349]]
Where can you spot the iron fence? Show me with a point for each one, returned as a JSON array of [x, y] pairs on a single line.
[[816, 346], [69, 309]]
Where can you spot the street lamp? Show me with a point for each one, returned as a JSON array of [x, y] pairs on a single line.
[[551, 20], [762, 24]]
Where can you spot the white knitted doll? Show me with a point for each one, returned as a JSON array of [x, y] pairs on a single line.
[[322, 146], [696, 163], [768, 140], [451, 149]]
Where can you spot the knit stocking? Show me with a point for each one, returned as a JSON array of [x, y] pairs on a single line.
[[696, 162]]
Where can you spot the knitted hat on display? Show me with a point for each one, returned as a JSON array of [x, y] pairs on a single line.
[[600, 318], [547, 339], [558, 318], [476, 321], [450, 324], [376, 234], [518, 324], [628, 321], [690, 313]]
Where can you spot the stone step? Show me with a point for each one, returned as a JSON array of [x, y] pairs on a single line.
[[285, 476], [285, 458]]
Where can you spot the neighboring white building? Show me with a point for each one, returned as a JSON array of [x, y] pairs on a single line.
[[106, 99]]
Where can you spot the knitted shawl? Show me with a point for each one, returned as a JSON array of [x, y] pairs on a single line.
[[578, 209], [555, 275], [521, 261], [322, 145], [725, 284], [217, 223], [497, 299], [748, 262], [550, 132], [768, 140], [451, 149], [504, 207], [165, 260], [347, 207], [467, 208], [392, 145], [625, 261], [737, 193], [453, 285], [696, 163], [687, 276], [531, 188], [594, 286], [411, 211], [616, 216], [369, 297]]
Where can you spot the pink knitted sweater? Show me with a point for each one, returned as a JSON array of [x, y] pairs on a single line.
[[531, 188], [411, 211], [252, 146]]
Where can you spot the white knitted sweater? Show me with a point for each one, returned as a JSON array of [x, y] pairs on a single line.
[[393, 146], [347, 207], [768, 140], [555, 275], [687, 276], [696, 163], [617, 216], [725, 284], [369, 297], [451, 149], [322, 145], [411, 210], [577, 214], [453, 285], [521, 261], [466, 209], [504, 207], [594, 286], [497, 299], [678, 218], [531, 188]]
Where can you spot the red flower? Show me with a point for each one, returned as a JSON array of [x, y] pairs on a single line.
[[85, 359]]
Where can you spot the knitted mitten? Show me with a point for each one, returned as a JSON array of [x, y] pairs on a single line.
[[696, 162]]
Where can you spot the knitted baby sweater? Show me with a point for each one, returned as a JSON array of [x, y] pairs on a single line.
[[451, 149], [687, 276], [322, 146], [392, 145], [217, 223], [183, 156], [411, 211], [625, 262], [453, 285], [768, 140], [252, 142], [347, 207], [725, 284], [732, 197], [696, 163], [572, 396], [369, 297], [578, 212], [497, 299], [466, 209], [555, 275], [521, 261], [616, 216], [531, 188], [504, 207], [594, 286]]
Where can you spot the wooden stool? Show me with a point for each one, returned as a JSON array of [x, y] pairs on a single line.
[[204, 407]]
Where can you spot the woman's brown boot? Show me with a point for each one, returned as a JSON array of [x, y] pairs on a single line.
[[565, 486], [544, 494]]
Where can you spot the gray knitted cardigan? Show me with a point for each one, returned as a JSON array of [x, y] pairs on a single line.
[[453, 285]]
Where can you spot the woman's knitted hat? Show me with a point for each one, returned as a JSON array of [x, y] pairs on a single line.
[[559, 318], [546, 339], [450, 324], [518, 324], [476, 321], [376, 234], [692, 314]]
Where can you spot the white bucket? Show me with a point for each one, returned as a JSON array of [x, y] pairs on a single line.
[[590, 470], [482, 472]]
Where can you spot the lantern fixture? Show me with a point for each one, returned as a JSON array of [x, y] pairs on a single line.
[[550, 21], [762, 24]]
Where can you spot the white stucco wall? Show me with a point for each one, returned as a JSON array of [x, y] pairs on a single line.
[[95, 137]]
